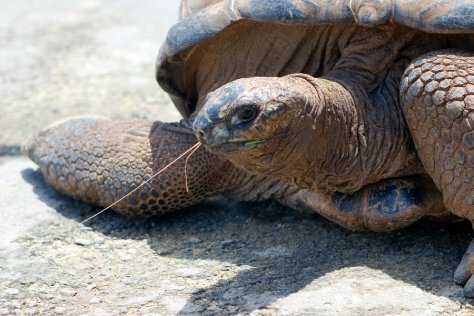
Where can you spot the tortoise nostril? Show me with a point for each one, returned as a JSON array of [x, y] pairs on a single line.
[[200, 134], [202, 128]]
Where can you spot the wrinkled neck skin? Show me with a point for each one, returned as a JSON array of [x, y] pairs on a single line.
[[336, 142]]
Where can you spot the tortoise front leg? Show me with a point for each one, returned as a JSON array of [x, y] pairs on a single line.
[[99, 161], [437, 96]]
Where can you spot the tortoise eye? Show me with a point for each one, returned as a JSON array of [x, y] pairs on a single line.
[[246, 114]]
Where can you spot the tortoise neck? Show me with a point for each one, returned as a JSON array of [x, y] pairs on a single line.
[[344, 141]]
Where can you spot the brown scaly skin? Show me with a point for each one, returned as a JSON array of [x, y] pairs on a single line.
[[356, 99], [437, 95], [79, 158]]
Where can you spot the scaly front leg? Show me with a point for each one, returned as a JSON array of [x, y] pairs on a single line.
[[99, 161], [437, 96]]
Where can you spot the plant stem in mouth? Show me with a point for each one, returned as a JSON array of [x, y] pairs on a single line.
[[253, 142]]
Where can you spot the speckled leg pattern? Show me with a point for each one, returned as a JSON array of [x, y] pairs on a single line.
[[98, 161], [437, 96]]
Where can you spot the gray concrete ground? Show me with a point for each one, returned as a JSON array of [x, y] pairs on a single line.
[[61, 58]]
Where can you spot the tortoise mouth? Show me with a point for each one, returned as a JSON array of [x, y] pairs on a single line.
[[232, 146]]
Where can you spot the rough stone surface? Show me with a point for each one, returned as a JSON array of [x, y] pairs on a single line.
[[220, 257], [62, 58], [215, 258]]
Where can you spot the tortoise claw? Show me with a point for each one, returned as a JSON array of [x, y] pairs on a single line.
[[469, 288], [465, 270], [462, 274]]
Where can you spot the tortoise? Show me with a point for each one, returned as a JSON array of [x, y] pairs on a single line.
[[361, 111]]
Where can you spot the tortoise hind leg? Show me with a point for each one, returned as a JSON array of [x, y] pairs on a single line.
[[98, 161], [437, 95]]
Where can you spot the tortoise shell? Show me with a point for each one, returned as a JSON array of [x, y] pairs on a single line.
[[203, 19]]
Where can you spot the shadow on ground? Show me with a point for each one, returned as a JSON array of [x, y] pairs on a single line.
[[285, 249]]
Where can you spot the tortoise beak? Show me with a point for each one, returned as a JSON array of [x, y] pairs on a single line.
[[208, 133], [217, 138]]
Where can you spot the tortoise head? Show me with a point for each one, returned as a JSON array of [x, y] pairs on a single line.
[[248, 120]]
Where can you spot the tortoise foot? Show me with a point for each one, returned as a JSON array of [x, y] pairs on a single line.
[[465, 270], [438, 101]]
